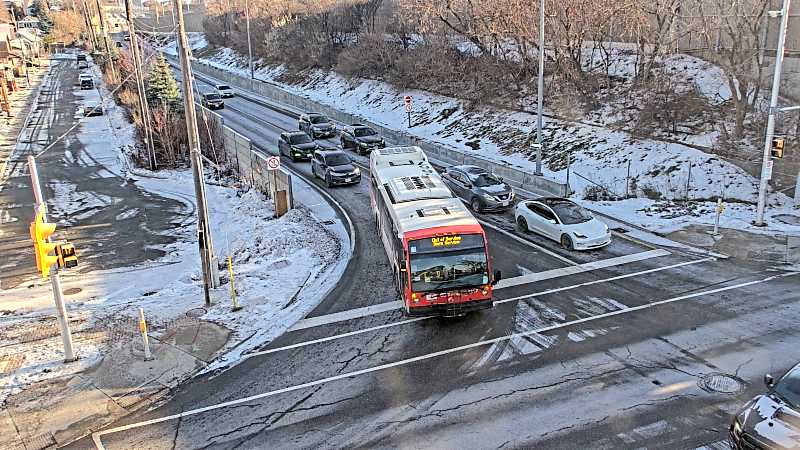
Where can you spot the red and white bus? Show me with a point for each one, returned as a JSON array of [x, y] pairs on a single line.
[[437, 250]]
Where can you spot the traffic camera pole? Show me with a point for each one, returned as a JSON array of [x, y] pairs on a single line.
[[540, 92], [773, 108], [203, 231], [55, 278]]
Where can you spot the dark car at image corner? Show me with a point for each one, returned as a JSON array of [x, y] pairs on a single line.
[[297, 145], [771, 420]]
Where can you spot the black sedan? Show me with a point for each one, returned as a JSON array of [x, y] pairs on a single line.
[[361, 139], [335, 167]]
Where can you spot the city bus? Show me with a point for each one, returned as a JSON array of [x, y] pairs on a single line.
[[437, 250]]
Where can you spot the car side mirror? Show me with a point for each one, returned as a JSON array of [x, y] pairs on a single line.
[[769, 381], [497, 277], [553, 221], [467, 185]]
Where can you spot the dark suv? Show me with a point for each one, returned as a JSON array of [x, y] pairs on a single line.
[[212, 100], [296, 145], [771, 420], [317, 125], [335, 167], [361, 138]]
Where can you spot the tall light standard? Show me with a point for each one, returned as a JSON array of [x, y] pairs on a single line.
[[766, 170], [540, 91], [249, 44]]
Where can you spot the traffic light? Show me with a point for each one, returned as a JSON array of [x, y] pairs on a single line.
[[40, 234], [777, 147], [66, 256]]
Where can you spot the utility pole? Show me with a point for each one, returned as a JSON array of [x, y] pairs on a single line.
[[104, 28], [89, 25], [203, 230], [137, 70], [249, 43], [766, 170], [55, 278], [540, 92]]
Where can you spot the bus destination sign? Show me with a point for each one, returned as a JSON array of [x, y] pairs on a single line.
[[445, 241]]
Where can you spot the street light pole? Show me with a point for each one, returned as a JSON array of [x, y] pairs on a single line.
[[773, 108], [540, 91], [249, 43], [203, 230]]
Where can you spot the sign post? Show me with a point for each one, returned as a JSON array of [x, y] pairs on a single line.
[[407, 101]]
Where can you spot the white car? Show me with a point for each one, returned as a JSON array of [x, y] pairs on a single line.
[[224, 90], [563, 221]]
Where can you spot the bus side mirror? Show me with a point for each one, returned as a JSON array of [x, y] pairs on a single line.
[[769, 381], [497, 277]]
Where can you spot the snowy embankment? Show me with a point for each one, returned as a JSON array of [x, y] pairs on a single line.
[[282, 267], [603, 156]]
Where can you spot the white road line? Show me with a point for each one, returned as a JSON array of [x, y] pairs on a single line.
[[529, 243], [358, 313], [572, 270], [96, 436], [497, 302]]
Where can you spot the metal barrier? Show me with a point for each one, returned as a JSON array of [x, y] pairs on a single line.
[[437, 152]]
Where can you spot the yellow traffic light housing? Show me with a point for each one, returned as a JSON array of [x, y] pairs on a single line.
[[778, 144], [40, 234]]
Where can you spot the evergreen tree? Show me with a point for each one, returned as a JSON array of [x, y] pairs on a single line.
[[41, 10], [161, 85]]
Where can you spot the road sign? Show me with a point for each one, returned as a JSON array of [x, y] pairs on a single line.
[[770, 163], [407, 100], [408, 107], [273, 163]]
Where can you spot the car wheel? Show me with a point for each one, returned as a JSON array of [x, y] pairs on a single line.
[[294, 158], [566, 242], [475, 205], [344, 144], [522, 224], [328, 181]]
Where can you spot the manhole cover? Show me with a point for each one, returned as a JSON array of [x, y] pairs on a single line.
[[196, 312], [721, 383], [73, 291]]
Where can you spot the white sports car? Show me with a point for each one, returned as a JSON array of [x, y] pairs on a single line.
[[563, 221]]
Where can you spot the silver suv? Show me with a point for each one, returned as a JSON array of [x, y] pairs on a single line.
[[771, 420], [479, 188]]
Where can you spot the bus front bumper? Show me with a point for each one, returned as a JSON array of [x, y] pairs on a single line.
[[450, 309]]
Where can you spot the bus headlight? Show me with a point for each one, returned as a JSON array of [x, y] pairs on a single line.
[[737, 428]]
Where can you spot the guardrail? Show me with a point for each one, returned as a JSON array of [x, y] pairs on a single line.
[[436, 151]]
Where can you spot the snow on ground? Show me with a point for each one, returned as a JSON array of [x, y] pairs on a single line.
[[283, 268], [600, 158]]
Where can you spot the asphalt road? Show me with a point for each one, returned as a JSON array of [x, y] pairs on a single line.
[[621, 356]]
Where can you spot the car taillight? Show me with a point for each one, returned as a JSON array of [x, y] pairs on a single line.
[[485, 290]]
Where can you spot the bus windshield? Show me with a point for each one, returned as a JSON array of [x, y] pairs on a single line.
[[459, 262]]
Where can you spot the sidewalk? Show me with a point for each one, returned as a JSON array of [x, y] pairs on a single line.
[[775, 248]]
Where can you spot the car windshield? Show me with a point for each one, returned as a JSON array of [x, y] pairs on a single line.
[[299, 139], [448, 270], [570, 213], [485, 179], [337, 159], [361, 132], [212, 96], [788, 388], [223, 87], [318, 119]]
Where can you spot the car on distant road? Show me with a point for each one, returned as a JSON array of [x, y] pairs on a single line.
[[563, 221], [224, 90], [771, 420], [127, 37], [296, 145], [317, 125], [83, 64], [93, 109], [479, 188], [118, 44], [80, 57], [360, 138], [86, 81], [335, 167], [212, 100]]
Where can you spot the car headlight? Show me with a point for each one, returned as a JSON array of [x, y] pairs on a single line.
[[580, 236], [606, 228], [488, 197], [363, 144], [737, 428], [357, 171], [333, 126]]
